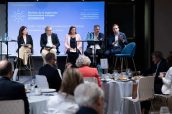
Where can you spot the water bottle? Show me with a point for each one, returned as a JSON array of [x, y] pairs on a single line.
[[99, 70], [88, 36], [91, 36], [5, 37]]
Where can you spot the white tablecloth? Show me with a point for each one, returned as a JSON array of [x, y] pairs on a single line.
[[38, 104], [114, 92]]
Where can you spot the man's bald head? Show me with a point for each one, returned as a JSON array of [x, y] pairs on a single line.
[[5, 68]]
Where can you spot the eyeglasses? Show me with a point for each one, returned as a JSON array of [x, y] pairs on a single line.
[[49, 30]]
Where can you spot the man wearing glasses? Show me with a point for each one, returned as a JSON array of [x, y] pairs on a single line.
[[95, 36], [49, 43], [117, 41]]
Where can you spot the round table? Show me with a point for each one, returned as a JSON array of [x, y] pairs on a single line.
[[114, 92]]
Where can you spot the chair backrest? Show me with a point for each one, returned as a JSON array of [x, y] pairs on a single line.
[[90, 79], [129, 49], [15, 74], [12, 107], [41, 81], [60, 73], [145, 88]]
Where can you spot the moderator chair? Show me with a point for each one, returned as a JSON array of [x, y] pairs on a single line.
[[127, 52], [145, 91], [19, 64], [12, 107]]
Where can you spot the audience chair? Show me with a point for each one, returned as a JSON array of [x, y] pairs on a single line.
[[41, 81], [15, 74], [145, 91], [60, 73], [12, 107], [90, 79], [127, 52]]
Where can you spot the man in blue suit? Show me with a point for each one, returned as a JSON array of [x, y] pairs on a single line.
[[117, 41]]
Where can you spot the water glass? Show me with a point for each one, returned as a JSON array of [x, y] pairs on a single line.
[[164, 110], [115, 75]]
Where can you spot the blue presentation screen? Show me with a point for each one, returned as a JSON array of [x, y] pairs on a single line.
[[60, 15]]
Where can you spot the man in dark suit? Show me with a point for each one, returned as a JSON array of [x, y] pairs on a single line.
[[10, 90], [116, 42], [50, 71], [49, 43], [99, 45], [159, 65], [90, 98]]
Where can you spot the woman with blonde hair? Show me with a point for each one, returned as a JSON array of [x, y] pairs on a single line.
[[83, 63], [63, 102]]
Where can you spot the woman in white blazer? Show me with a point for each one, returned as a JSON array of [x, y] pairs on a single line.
[[72, 47], [167, 80]]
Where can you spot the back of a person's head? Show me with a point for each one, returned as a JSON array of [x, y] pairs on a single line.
[[83, 60], [5, 67], [157, 54], [71, 79], [86, 94], [49, 57]]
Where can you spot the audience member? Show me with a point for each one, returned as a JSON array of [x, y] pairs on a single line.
[[49, 42], [25, 45], [10, 90], [73, 48], [90, 98], [68, 65], [63, 102], [51, 72], [159, 65], [83, 62], [167, 80]]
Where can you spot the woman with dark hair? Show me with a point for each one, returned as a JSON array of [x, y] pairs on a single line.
[[72, 47], [25, 45], [63, 102]]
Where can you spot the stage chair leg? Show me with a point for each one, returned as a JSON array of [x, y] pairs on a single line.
[[121, 64], [116, 61], [134, 64]]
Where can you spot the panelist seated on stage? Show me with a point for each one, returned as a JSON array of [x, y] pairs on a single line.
[[117, 41], [49, 43], [98, 44], [25, 45], [72, 47]]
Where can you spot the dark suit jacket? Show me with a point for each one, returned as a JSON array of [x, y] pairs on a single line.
[[29, 40], [121, 44], [100, 38], [162, 67], [55, 41], [86, 110], [10, 90], [52, 76]]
